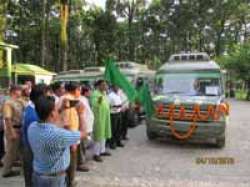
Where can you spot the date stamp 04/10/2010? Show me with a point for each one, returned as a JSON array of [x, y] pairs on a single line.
[[215, 161]]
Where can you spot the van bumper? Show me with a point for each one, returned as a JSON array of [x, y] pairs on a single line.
[[204, 130]]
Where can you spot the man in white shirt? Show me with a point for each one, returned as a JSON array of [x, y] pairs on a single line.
[[116, 106], [88, 113], [87, 118]]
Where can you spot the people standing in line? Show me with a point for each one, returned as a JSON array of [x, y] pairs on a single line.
[[50, 146], [116, 106], [12, 114], [30, 116], [102, 122], [70, 112]]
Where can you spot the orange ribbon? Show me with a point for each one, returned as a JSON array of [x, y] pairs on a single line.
[[214, 113]]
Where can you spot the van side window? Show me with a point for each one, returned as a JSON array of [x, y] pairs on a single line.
[[192, 57], [176, 58], [200, 57], [184, 58]]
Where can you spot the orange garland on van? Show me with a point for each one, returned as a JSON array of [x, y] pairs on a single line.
[[212, 112]]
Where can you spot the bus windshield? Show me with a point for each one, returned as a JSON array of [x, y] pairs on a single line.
[[189, 84]]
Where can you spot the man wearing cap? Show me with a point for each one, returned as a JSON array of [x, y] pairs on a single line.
[[12, 115]]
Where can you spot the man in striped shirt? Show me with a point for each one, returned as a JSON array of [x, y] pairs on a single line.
[[50, 146]]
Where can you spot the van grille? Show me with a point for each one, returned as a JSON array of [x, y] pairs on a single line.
[[189, 112]]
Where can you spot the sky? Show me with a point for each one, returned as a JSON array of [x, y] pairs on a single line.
[[100, 3]]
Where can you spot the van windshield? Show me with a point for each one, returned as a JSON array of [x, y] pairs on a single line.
[[189, 84]]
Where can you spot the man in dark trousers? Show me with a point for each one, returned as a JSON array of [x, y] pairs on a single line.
[[116, 106], [124, 114]]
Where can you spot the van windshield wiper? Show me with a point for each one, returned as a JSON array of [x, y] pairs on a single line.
[[174, 92], [211, 95]]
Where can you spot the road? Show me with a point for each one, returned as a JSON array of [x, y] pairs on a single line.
[[163, 163]]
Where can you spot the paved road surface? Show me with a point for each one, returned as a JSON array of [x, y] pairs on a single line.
[[162, 163]]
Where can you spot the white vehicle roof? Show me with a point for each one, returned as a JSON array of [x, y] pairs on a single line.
[[189, 62], [189, 57], [95, 69], [70, 72], [89, 73], [131, 65]]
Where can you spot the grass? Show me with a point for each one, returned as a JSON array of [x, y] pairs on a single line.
[[241, 94]]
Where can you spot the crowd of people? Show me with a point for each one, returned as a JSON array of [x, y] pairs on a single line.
[[48, 129]]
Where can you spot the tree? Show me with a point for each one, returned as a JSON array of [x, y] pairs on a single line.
[[222, 12], [2, 19], [71, 34], [128, 9], [2, 27], [239, 22], [104, 36], [238, 61]]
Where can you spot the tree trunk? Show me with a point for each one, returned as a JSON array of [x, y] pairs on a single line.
[[70, 49], [6, 80], [218, 45], [200, 40], [219, 33], [131, 42], [2, 19], [245, 33], [43, 30], [248, 89], [64, 14]]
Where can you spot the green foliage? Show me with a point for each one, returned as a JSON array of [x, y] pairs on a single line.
[[241, 94], [238, 62], [125, 30], [104, 36], [2, 18]]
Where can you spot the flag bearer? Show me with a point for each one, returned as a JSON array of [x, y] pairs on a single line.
[[102, 123]]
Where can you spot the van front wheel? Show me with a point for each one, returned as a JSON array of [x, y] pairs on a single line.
[[220, 142]]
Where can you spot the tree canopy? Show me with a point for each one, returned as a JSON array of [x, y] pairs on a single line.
[[72, 34]]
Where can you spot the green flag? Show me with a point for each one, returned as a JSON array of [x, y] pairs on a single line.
[[145, 99], [115, 77]]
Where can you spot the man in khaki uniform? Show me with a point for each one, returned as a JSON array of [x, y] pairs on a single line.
[[12, 115], [3, 98]]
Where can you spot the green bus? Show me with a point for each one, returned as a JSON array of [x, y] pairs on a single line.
[[189, 100]]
